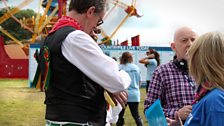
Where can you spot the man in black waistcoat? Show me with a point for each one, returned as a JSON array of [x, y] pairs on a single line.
[[79, 71]]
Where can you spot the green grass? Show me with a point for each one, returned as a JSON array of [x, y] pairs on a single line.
[[23, 106], [20, 105], [129, 120]]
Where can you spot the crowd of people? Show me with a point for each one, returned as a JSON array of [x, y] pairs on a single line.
[[190, 87]]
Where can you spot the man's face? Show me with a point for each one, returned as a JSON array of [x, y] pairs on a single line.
[[95, 21], [183, 40], [92, 20]]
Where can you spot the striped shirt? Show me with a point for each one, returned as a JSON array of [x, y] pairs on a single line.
[[173, 86]]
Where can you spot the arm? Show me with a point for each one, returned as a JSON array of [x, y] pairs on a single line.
[[145, 60], [81, 50], [151, 56]]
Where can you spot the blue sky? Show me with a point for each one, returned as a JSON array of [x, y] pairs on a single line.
[[160, 19]]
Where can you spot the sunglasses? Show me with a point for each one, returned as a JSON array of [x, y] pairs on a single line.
[[100, 21]]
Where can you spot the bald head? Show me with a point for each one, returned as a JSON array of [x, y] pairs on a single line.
[[183, 39], [184, 31]]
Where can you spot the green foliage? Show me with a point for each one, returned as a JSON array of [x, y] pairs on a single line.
[[15, 28]]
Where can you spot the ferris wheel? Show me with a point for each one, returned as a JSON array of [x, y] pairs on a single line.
[[39, 25], [42, 23], [129, 10]]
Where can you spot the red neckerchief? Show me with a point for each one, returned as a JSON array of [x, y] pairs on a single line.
[[65, 21], [201, 92]]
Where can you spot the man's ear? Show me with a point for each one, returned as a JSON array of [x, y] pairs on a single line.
[[172, 45], [90, 11]]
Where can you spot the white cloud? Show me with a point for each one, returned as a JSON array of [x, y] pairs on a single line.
[[162, 18]]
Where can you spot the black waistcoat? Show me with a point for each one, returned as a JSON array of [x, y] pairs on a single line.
[[71, 95]]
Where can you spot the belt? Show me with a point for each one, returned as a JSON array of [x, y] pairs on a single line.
[[69, 124]]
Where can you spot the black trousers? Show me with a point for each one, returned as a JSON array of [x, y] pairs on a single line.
[[147, 86], [134, 112]]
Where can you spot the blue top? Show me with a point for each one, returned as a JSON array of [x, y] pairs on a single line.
[[209, 111], [134, 73], [150, 68]]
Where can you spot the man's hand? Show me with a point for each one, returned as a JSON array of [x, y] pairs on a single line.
[[120, 97], [94, 33], [184, 112], [171, 122], [176, 122]]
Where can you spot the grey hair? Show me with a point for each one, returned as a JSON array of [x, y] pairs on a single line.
[[81, 6]]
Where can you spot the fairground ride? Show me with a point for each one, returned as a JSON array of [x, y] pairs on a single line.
[[130, 10], [41, 24]]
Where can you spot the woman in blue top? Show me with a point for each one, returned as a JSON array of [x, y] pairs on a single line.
[[126, 64], [151, 61], [206, 65]]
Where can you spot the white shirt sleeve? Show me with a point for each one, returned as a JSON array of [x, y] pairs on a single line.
[[83, 52]]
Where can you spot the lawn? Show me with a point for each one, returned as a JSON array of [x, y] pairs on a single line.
[[23, 106]]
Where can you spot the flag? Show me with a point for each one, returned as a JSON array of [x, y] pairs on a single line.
[[135, 41], [124, 43]]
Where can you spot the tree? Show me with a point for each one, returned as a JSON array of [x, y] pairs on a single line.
[[15, 28]]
